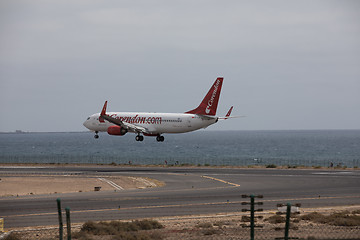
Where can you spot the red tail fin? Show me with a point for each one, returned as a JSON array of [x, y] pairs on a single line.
[[209, 104], [103, 112]]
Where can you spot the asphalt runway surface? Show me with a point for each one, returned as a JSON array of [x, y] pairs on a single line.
[[188, 191]]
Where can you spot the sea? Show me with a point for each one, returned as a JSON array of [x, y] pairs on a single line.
[[315, 148]]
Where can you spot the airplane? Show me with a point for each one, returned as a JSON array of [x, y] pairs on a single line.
[[156, 124]]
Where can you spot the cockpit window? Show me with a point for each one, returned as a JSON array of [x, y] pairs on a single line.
[[88, 118]]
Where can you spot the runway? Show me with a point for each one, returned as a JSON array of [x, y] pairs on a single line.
[[188, 191]]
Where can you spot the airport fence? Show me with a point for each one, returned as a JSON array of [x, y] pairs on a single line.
[[286, 223], [270, 225], [179, 161]]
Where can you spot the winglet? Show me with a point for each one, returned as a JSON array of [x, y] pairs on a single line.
[[103, 112], [229, 112], [227, 116]]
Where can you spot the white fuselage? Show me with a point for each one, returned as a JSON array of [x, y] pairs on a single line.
[[155, 123]]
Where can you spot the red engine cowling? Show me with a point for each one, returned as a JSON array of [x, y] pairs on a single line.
[[116, 130]]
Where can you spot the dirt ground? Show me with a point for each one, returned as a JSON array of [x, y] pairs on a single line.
[[34, 185], [223, 227]]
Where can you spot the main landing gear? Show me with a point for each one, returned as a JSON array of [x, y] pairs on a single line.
[[96, 135], [160, 138], [139, 138]]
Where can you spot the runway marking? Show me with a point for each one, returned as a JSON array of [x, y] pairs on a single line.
[[177, 205], [309, 198], [332, 173], [223, 181], [124, 198], [146, 182], [111, 183]]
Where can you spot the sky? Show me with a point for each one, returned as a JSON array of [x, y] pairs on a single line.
[[287, 65]]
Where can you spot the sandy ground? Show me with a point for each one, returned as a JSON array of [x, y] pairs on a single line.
[[33, 185]]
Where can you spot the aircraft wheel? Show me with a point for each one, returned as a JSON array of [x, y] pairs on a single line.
[[96, 135], [160, 138], [139, 138]]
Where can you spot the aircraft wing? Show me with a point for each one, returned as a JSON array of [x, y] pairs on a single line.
[[128, 126]]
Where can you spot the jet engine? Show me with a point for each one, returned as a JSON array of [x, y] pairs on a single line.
[[116, 130]]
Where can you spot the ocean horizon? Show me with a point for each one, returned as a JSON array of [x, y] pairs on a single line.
[[209, 147]]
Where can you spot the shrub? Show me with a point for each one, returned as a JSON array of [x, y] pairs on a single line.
[[204, 225], [337, 219], [116, 227], [245, 219], [276, 219], [314, 217], [356, 211], [221, 223], [186, 165], [271, 166], [210, 231], [343, 219], [80, 235], [13, 236], [148, 224]]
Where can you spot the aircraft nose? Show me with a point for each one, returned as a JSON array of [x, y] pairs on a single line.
[[86, 124]]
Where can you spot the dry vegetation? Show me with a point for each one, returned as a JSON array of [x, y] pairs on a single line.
[[344, 218], [114, 230], [120, 230], [335, 225]]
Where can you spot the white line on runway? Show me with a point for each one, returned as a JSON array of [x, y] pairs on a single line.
[[332, 173], [220, 180], [111, 183], [16, 167]]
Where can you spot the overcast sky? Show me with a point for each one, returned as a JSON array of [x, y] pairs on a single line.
[[286, 64]]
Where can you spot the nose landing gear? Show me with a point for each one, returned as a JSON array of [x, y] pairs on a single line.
[[96, 135]]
